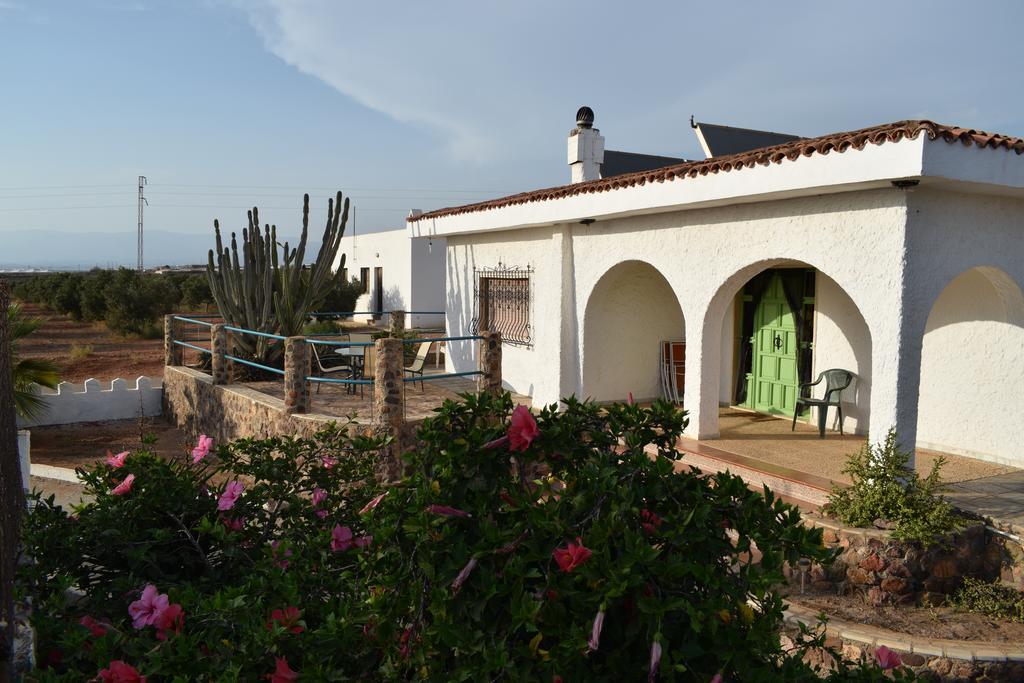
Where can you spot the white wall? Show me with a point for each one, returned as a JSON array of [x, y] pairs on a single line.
[[92, 402], [842, 340], [630, 312], [412, 272], [706, 256], [428, 271], [966, 261], [532, 370], [972, 372]]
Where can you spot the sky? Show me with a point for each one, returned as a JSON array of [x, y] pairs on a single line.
[[223, 104]]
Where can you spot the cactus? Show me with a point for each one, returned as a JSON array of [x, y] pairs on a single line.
[[260, 291]]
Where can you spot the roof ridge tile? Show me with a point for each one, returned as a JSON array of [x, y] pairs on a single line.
[[805, 147]]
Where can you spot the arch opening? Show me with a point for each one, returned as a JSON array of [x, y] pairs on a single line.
[[630, 311], [972, 368], [778, 324]]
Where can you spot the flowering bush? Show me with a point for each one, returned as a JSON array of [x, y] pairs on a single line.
[[566, 546]]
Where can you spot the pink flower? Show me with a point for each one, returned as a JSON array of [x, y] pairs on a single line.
[[650, 522], [445, 511], [321, 513], [887, 659], [464, 574], [119, 672], [328, 461], [282, 673], [318, 496], [629, 398], [124, 487], [202, 449], [497, 443], [117, 460], [373, 503], [288, 618], [146, 610], [362, 541], [522, 430], [652, 670], [169, 620], [595, 632], [96, 629], [717, 678], [572, 556], [341, 538], [231, 494]]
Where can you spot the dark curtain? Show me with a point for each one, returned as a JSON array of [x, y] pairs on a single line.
[[755, 289], [793, 283]]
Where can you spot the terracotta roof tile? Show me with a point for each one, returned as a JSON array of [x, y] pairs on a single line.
[[838, 142]]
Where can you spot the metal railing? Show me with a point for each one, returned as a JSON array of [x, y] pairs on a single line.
[[447, 375], [253, 364], [193, 320]]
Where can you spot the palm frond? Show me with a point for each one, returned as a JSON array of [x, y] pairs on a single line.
[[29, 404], [36, 371]]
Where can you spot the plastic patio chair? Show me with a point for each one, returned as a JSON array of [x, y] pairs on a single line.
[[369, 367], [421, 359], [836, 381], [325, 370]]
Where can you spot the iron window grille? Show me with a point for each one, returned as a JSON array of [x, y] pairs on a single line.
[[502, 302]]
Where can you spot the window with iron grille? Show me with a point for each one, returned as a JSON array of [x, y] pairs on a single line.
[[502, 299]]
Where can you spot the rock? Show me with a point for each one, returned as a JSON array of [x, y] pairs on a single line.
[[872, 563], [851, 651], [933, 599], [859, 577], [913, 659], [941, 666], [892, 584], [897, 568], [829, 536], [884, 524], [876, 596], [945, 568]]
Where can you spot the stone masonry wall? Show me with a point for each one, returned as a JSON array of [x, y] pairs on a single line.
[[889, 571]]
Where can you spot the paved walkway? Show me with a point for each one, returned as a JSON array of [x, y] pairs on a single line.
[[763, 450]]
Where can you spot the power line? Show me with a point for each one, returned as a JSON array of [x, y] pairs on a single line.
[[334, 189], [66, 194]]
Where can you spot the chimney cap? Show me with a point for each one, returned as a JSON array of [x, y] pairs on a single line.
[[585, 117]]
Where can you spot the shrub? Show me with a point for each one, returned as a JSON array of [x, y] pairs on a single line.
[[342, 296], [989, 598], [80, 351], [886, 488], [554, 548]]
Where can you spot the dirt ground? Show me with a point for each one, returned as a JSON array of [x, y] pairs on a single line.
[[929, 622], [85, 443], [84, 350]]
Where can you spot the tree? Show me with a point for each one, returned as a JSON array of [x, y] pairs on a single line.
[[28, 371]]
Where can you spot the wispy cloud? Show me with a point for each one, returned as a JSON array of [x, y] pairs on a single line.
[[504, 78]]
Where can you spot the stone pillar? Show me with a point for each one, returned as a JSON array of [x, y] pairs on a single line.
[[219, 348], [490, 363], [296, 364], [172, 352], [389, 405], [397, 319]]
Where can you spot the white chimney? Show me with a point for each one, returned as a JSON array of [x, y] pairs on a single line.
[[586, 147]]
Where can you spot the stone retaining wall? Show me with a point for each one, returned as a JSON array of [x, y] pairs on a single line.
[[932, 659], [886, 570], [227, 412]]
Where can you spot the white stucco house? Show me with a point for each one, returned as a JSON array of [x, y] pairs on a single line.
[[896, 252], [398, 273]]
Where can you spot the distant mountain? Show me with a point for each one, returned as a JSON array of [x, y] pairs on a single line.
[[62, 250]]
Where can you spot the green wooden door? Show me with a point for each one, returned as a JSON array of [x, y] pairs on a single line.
[[774, 364]]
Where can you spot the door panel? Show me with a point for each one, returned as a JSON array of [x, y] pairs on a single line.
[[775, 362]]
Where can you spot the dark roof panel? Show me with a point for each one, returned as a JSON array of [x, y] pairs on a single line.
[[724, 140], [619, 163]]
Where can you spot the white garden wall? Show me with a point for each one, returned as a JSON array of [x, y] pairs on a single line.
[[91, 401]]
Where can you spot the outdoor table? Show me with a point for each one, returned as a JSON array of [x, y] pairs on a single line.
[[355, 353]]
